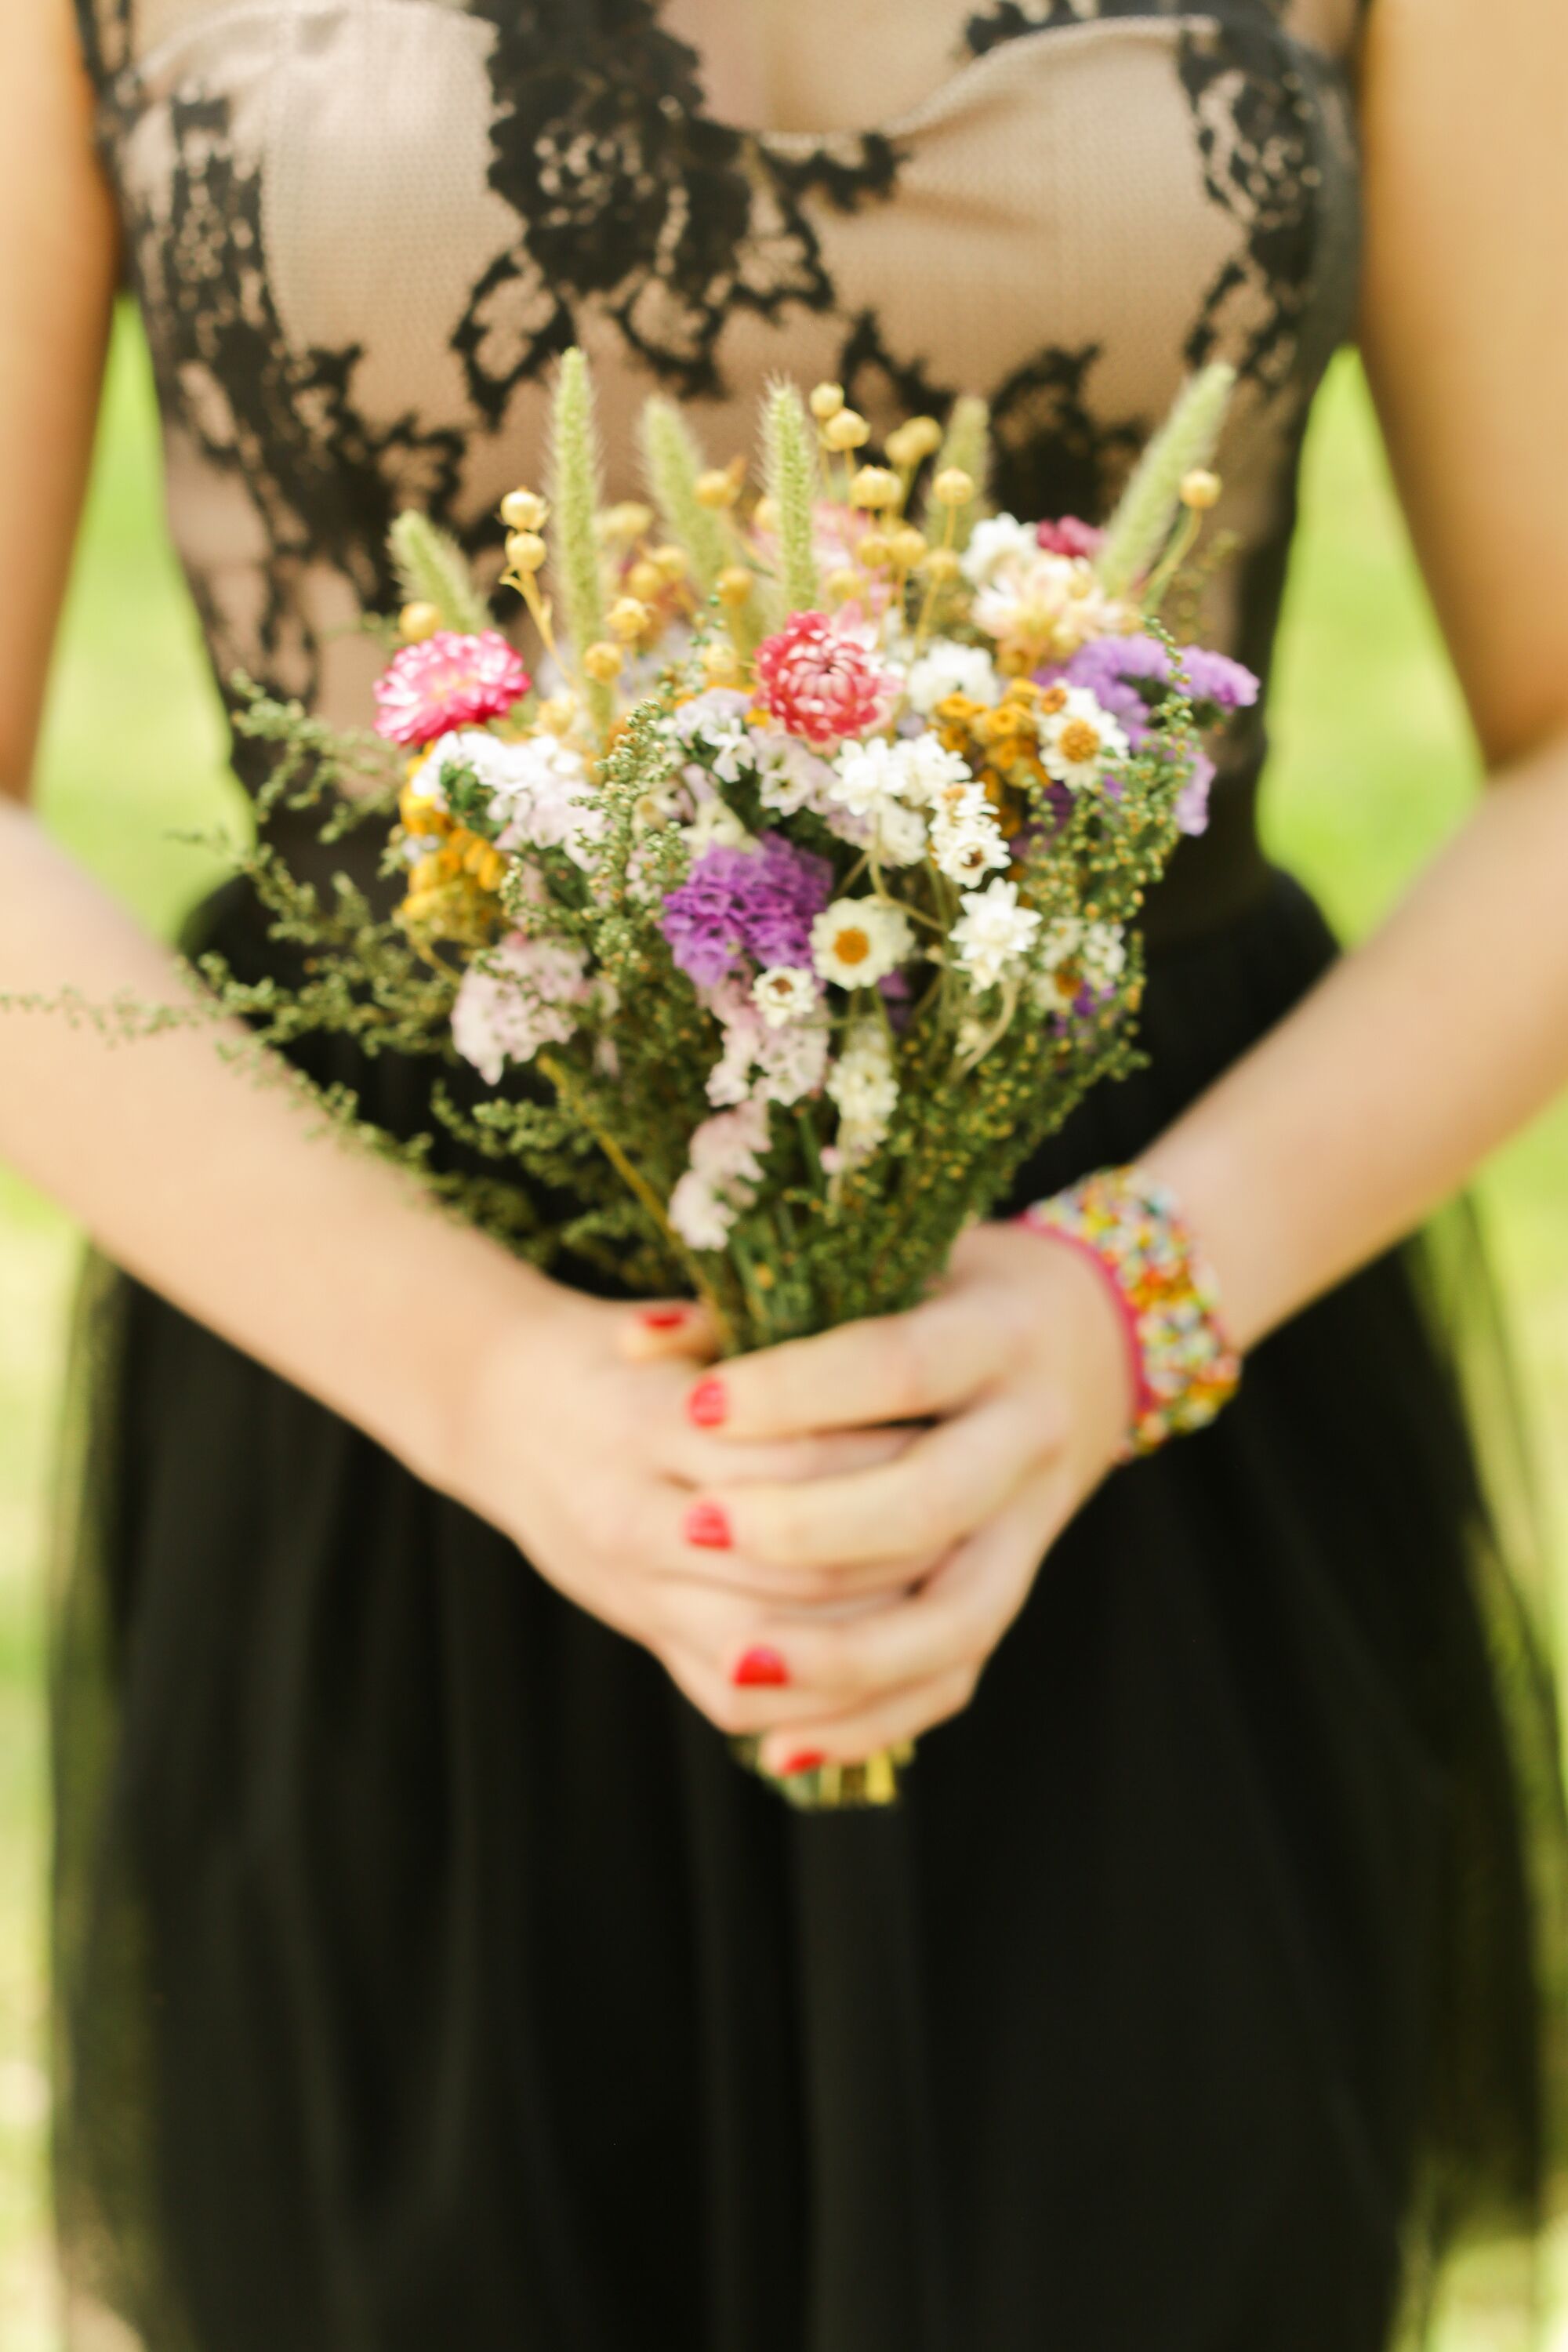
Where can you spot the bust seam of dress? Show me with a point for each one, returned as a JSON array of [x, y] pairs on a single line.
[[952, 93]]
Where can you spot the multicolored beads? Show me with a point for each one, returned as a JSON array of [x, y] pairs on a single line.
[[1183, 1367]]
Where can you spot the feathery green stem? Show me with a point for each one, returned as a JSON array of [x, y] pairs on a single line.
[[789, 452], [575, 505], [1141, 527], [672, 463], [432, 570]]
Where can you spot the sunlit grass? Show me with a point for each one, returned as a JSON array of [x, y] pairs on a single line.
[[1374, 768]]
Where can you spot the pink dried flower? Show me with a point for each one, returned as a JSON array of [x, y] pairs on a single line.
[[821, 679], [1070, 536], [447, 681]]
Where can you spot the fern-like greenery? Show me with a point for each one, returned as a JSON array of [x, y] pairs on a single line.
[[790, 464], [672, 463], [1141, 527], [575, 505], [432, 570]]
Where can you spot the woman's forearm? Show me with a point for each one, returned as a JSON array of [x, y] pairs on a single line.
[[321, 1262], [1380, 1095]]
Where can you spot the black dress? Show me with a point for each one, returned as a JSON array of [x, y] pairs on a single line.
[[429, 1976]]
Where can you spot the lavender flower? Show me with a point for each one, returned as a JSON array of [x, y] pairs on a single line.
[[756, 902], [1117, 671]]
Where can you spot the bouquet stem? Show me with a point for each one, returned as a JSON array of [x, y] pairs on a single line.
[[838, 1787]]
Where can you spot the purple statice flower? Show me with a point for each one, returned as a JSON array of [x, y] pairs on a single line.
[[753, 902], [1125, 674]]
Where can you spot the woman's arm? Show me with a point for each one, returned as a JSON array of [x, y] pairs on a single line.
[[1449, 1028], [1422, 1051], [495, 1384]]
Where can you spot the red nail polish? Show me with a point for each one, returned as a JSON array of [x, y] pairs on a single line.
[[707, 1525], [761, 1669], [707, 1404], [663, 1319], [810, 1760]]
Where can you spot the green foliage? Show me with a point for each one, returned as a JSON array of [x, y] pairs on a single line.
[[793, 478], [672, 463], [1140, 531], [574, 506], [432, 570]]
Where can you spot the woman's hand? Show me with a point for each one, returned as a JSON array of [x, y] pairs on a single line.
[[590, 1460], [1014, 1386]]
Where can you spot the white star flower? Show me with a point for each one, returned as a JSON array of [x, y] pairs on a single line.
[[993, 932]]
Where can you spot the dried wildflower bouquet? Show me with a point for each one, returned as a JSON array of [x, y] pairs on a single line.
[[793, 901]]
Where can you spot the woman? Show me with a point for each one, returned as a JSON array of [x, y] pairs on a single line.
[[431, 1976]]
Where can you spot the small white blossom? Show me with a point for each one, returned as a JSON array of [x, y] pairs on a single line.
[[792, 1063], [1104, 955], [899, 836], [784, 992], [716, 825], [857, 941], [790, 774], [523, 994], [997, 541], [698, 1216], [970, 849], [864, 1090], [543, 797], [868, 776], [1079, 740], [993, 932], [709, 716], [930, 770], [948, 668]]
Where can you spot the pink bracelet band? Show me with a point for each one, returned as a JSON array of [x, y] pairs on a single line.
[[1143, 1395]]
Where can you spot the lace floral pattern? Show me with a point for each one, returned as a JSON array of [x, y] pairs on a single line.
[[631, 217]]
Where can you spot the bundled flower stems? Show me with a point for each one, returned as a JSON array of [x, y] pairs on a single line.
[[849, 789]]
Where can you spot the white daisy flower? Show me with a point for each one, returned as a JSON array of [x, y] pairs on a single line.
[[1079, 740], [993, 932], [857, 941], [784, 992], [947, 667]]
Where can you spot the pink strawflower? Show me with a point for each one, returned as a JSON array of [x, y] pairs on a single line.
[[447, 681], [821, 679], [1070, 536]]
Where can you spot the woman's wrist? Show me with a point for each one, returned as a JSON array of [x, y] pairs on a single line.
[[1183, 1369]]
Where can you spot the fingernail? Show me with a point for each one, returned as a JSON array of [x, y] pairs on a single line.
[[759, 1669], [707, 1404], [810, 1760], [662, 1318], [708, 1525]]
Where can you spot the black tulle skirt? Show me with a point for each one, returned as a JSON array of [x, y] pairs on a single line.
[[431, 1977]]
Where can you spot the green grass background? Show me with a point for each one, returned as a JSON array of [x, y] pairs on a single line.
[[1374, 768]]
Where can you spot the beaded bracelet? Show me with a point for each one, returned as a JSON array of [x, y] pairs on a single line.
[[1131, 1228]]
